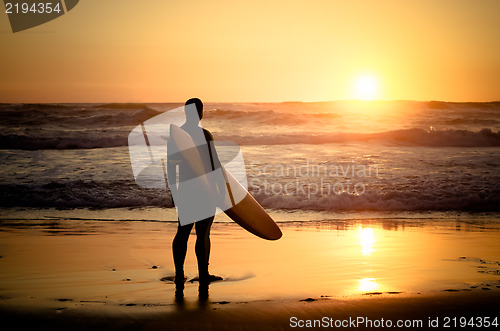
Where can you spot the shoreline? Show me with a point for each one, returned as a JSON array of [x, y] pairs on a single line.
[[108, 274]]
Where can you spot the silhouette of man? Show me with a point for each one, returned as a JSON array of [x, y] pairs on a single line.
[[176, 161]]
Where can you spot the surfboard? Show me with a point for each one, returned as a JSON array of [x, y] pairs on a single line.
[[240, 205]]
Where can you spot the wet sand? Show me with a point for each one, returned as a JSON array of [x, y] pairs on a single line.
[[87, 273]]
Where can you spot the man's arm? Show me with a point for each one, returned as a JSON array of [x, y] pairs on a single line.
[[214, 159], [220, 180]]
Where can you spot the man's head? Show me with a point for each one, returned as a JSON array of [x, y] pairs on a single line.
[[191, 104]]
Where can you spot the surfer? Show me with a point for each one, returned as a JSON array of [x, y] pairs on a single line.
[[203, 138]]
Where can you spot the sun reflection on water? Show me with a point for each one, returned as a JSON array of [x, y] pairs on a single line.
[[367, 285], [366, 240]]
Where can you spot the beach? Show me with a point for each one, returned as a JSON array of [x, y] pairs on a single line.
[[83, 272], [389, 210]]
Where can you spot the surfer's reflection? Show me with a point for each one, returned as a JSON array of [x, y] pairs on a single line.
[[189, 197]]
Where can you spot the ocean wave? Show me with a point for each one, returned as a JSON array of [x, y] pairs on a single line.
[[82, 126], [270, 117], [82, 140], [73, 194], [386, 201], [113, 194], [408, 137], [122, 105], [20, 106], [462, 105], [88, 139], [65, 117]]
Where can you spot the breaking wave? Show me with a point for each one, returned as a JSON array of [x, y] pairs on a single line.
[[87, 139], [85, 126], [112, 194]]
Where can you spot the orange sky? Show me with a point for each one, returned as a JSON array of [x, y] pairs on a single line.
[[161, 51]]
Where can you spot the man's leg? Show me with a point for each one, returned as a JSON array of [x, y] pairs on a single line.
[[179, 249], [202, 247]]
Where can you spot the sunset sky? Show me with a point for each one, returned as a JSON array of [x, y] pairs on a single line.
[[168, 51]]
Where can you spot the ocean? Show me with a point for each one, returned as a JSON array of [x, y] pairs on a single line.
[[304, 160]]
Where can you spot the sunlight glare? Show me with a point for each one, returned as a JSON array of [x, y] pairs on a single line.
[[367, 284], [366, 87], [366, 240]]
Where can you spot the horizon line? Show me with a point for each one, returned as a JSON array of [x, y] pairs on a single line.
[[287, 101]]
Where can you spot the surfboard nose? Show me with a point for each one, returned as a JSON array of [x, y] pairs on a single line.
[[275, 235]]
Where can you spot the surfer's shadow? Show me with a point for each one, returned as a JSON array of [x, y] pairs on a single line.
[[170, 279]]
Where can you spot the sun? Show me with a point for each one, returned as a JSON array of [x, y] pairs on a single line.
[[366, 87]]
